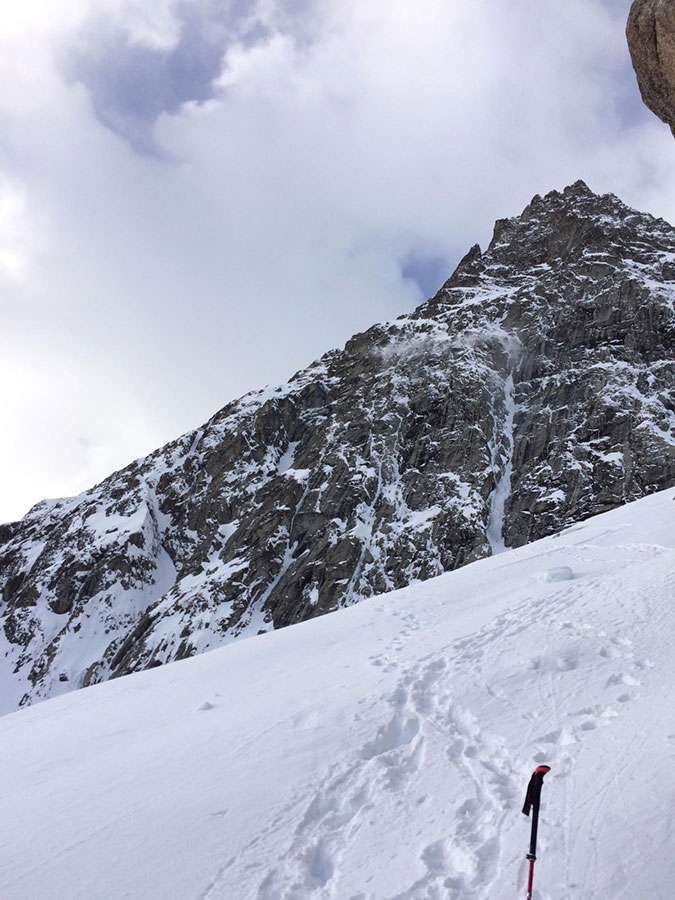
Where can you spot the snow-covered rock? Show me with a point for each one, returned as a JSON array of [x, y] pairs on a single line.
[[534, 390]]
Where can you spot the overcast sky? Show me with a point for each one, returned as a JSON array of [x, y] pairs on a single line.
[[198, 198]]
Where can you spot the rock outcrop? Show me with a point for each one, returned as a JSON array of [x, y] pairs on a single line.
[[650, 33], [535, 389]]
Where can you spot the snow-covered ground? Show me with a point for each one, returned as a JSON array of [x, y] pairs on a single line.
[[382, 752]]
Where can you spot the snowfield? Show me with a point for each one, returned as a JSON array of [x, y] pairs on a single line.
[[381, 752]]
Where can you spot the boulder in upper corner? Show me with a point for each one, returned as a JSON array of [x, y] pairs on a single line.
[[650, 33]]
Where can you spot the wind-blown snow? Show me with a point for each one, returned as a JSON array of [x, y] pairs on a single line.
[[382, 752]]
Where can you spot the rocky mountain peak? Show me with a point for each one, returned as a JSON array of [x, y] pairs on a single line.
[[536, 388], [563, 227]]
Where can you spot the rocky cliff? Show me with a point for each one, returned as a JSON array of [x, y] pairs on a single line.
[[535, 389], [650, 32]]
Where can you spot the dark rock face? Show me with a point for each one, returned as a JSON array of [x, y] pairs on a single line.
[[535, 389], [650, 33]]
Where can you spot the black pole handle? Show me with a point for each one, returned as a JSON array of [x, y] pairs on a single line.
[[532, 801]]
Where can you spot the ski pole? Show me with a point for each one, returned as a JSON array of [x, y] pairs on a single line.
[[532, 800]]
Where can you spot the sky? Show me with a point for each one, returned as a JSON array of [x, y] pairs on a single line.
[[200, 197]]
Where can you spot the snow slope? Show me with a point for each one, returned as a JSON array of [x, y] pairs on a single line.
[[381, 752]]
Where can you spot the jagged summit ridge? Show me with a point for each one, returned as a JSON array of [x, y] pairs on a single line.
[[536, 388], [564, 227]]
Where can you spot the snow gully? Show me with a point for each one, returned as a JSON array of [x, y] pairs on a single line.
[[502, 458]]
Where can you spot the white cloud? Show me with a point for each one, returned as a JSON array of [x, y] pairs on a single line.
[[19, 237], [342, 140], [153, 24], [63, 426]]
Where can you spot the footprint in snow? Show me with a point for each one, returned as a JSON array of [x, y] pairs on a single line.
[[621, 678]]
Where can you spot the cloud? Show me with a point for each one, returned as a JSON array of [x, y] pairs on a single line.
[[201, 197], [18, 240], [152, 61], [45, 433], [137, 70]]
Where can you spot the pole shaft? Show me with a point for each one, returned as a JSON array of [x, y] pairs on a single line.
[[535, 828], [532, 801], [532, 855]]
